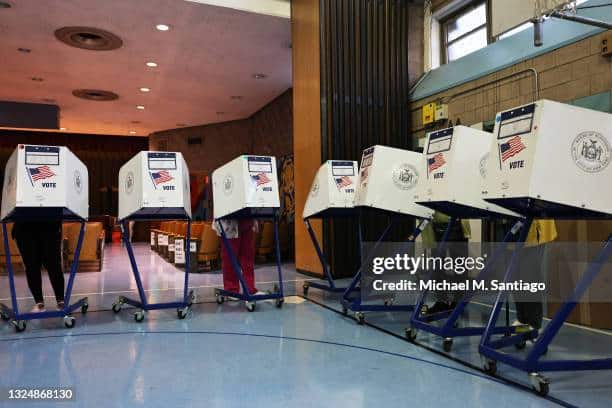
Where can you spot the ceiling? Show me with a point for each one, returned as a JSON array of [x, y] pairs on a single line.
[[209, 55]]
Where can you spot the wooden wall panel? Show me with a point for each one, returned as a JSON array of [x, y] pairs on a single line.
[[306, 121]]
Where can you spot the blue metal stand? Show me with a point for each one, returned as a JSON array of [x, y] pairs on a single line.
[[19, 319], [448, 329], [182, 307], [490, 348], [354, 303], [250, 299], [330, 286]]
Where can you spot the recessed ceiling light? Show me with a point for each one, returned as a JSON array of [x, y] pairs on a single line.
[[4, 4], [141, 107], [236, 97], [132, 132], [24, 50], [162, 27], [37, 79], [145, 89], [259, 76], [151, 64], [62, 128]]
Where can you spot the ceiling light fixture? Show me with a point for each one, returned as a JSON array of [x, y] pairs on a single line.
[[141, 107], [145, 89], [162, 27], [151, 64], [132, 132], [62, 129], [260, 76], [37, 79]]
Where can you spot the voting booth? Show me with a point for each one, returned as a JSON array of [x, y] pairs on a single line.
[[154, 186], [388, 180], [455, 167], [551, 160], [247, 187], [333, 188], [454, 170], [44, 183], [548, 160], [332, 194]]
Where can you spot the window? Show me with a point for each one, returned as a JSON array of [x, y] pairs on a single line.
[[465, 31]]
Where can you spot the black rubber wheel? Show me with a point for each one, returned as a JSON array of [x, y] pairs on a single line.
[[279, 302], [139, 316], [69, 322], [411, 334], [360, 317], [116, 307], [20, 325], [250, 306], [490, 367], [542, 389], [305, 289], [447, 345], [521, 345], [344, 310], [181, 314], [220, 299], [84, 308], [4, 317]]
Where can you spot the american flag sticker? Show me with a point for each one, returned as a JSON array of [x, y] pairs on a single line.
[[160, 177], [260, 179], [39, 173], [342, 182], [511, 148], [435, 162]]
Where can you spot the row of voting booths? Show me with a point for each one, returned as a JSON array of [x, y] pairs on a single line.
[[544, 160], [50, 183]]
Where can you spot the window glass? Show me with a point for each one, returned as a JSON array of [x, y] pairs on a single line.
[[467, 44]]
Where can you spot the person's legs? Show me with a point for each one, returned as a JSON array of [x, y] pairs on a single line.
[[529, 307], [50, 243], [28, 248], [247, 253], [230, 279]]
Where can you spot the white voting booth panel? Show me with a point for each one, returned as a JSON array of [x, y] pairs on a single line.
[[549, 159], [332, 188], [154, 185], [388, 179], [246, 186], [455, 160], [45, 181]]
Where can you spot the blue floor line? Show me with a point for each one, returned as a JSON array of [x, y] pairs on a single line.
[[269, 336]]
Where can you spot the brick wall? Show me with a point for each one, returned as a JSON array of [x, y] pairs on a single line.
[[568, 73], [267, 132]]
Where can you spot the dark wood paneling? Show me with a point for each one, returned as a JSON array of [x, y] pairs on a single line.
[[364, 100]]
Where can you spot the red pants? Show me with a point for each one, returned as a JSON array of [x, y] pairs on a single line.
[[244, 249]]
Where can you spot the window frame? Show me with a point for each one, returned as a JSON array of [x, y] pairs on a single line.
[[444, 22]]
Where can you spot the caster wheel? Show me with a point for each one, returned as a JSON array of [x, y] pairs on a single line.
[[139, 316], [539, 383], [279, 302], [117, 307], [389, 302], [411, 334], [447, 344], [344, 310], [4, 316], [69, 321], [360, 317], [305, 289], [84, 308], [521, 345], [424, 310], [250, 306], [182, 313], [490, 367], [20, 325], [220, 299], [190, 299]]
